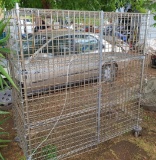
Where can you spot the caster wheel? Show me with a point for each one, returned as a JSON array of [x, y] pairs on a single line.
[[137, 131], [17, 140], [109, 72], [136, 134]]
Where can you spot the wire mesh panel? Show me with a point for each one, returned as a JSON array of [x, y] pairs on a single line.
[[79, 75], [149, 85]]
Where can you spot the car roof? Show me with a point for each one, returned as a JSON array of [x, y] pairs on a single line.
[[77, 33], [62, 32], [83, 40]]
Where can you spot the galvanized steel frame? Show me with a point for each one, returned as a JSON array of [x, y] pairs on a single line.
[[103, 118]]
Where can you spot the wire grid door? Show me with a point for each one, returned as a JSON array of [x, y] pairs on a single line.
[[148, 100], [79, 75]]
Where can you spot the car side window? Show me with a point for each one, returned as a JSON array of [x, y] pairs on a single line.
[[86, 44], [39, 40], [80, 36], [62, 45]]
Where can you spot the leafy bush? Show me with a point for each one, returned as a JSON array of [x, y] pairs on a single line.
[[4, 74], [3, 52]]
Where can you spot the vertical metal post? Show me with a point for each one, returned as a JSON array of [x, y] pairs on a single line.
[[22, 65], [100, 76], [113, 36], [142, 69]]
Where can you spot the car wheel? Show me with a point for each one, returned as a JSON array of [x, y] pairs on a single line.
[[109, 72]]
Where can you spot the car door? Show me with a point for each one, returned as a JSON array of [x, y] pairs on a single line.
[[86, 59], [74, 60], [50, 65]]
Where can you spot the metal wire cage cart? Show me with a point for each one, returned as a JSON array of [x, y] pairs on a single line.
[[79, 75]]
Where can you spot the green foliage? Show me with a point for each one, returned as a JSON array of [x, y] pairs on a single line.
[[49, 152], [3, 51], [3, 82], [106, 5], [22, 158], [9, 4], [3, 142], [1, 157]]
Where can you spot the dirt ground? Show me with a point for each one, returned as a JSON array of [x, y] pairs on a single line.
[[124, 147], [127, 147]]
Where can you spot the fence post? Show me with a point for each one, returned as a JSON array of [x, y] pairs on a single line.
[[21, 69], [138, 128], [100, 76]]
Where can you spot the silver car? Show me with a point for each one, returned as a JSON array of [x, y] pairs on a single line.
[[70, 59]]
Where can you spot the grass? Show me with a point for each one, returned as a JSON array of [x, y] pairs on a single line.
[[147, 146], [49, 152]]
